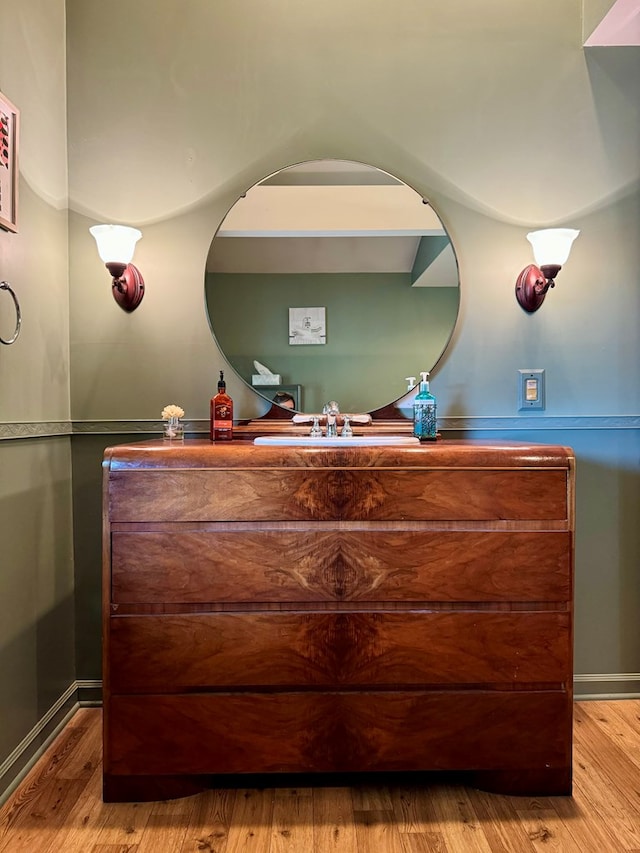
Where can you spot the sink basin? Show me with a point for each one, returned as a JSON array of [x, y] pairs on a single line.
[[338, 441]]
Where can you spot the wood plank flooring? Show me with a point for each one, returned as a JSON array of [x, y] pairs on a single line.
[[58, 807]]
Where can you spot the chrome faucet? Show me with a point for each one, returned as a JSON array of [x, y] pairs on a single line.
[[331, 410], [332, 416], [316, 429]]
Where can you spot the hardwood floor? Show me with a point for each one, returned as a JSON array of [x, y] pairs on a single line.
[[58, 807]]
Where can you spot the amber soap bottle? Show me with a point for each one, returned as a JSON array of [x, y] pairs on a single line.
[[221, 414]]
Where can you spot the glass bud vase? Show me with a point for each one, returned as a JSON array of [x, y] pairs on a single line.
[[173, 430]]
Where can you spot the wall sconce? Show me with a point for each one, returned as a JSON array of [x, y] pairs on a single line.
[[116, 245], [551, 248]]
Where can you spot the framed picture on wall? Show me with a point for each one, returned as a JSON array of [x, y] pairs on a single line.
[[9, 122], [307, 326]]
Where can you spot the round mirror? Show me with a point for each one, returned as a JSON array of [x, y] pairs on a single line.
[[331, 280]]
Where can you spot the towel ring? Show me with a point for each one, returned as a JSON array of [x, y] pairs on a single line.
[[4, 285]]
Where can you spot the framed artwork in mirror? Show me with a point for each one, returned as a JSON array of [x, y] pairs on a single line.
[[307, 326], [9, 121]]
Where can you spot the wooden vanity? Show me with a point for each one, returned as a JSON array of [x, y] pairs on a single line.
[[310, 610]]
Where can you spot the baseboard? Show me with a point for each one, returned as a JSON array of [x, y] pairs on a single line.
[[615, 685], [16, 766], [611, 685], [88, 693]]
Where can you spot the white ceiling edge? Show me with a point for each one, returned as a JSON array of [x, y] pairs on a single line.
[[324, 211], [620, 27], [328, 228]]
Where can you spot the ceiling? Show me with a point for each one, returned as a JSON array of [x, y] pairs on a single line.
[[331, 217]]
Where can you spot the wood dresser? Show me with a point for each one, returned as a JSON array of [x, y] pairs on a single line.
[[317, 610]]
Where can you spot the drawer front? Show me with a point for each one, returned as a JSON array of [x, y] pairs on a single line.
[[327, 732], [170, 653], [294, 494], [307, 565]]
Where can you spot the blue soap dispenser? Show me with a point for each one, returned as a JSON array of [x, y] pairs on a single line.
[[424, 412]]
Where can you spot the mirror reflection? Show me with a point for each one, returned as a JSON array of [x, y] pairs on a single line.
[[331, 280]]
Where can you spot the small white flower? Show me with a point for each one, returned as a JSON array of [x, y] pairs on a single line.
[[172, 412]]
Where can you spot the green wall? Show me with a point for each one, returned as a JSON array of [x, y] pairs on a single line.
[[379, 330], [37, 632], [37, 655], [454, 100], [169, 112]]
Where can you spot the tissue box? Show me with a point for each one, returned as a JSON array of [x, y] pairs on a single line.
[[266, 379]]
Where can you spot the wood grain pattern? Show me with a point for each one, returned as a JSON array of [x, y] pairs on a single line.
[[454, 816], [251, 822], [376, 833], [434, 814], [272, 610], [337, 494], [451, 453], [340, 565], [333, 820], [169, 654], [329, 732], [210, 822], [292, 822]]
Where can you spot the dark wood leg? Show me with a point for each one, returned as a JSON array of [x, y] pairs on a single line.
[[144, 789], [545, 782]]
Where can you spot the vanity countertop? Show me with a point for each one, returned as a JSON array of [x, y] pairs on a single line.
[[458, 453]]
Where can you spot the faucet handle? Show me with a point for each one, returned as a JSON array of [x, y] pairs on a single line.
[[316, 429], [346, 431]]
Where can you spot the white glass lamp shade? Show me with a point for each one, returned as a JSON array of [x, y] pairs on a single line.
[[551, 246], [115, 242]]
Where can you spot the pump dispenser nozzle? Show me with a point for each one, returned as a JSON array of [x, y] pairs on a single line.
[[411, 381]]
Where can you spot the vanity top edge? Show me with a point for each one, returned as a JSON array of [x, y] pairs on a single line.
[[450, 453]]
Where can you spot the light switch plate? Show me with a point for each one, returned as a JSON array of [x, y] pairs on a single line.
[[531, 389]]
